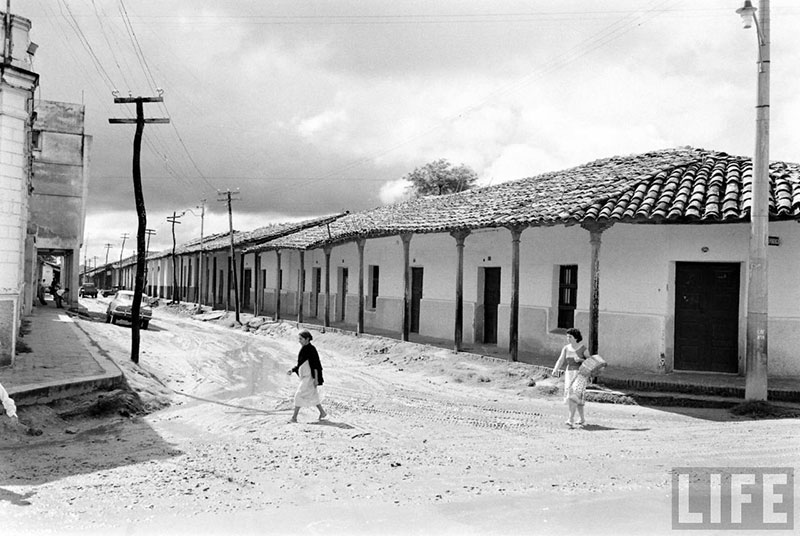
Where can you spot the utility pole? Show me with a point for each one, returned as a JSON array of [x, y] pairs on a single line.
[[199, 278], [106, 284], [149, 233], [122, 249], [226, 198], [202, 253], [176, 298], [140, 121], [757, 288]]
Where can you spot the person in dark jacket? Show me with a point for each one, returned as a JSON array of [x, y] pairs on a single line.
[[309, 369]]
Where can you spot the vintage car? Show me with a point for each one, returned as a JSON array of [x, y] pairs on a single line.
[[87, 290], [106, 292], [120, 308]]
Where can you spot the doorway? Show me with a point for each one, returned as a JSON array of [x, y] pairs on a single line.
[[491, 301], [316, 284], [248, 283], [707, 316], [342, 292], [416, 297]]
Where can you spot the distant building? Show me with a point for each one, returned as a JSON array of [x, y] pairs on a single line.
[[60, 181]]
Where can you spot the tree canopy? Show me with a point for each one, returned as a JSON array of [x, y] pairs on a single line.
[[441, 177]]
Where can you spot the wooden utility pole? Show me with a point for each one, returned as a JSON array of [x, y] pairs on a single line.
[[176, 297], [149, 233], [106, 283], [202, 253], [138, 286], [122, 249], [226, 197]]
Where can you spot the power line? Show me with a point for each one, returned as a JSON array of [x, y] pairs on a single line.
[[73, 23], [137, 47]]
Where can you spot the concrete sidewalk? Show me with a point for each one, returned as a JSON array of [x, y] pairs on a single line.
[[63, 360]]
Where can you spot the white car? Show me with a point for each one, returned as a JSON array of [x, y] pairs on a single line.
[[121, 307]]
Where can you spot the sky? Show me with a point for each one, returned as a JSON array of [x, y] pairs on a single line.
[[307, 108]]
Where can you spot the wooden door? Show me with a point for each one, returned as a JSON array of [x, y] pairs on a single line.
[[416, 297], [343, 276], [707, 316], [246, 287], [491, 300], [316, 288]]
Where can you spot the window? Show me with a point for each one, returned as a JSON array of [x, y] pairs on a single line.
[[36, 140], [567, 295], [374, 285]]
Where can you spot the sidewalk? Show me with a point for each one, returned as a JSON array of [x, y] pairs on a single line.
[[687, 384], [63, 360]]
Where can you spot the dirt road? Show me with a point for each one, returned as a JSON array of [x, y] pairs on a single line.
[[418, 442]]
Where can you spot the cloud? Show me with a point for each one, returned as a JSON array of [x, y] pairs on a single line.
[[324, 125], [395, 191], [517, 161]]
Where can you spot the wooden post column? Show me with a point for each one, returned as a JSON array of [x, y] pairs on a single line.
[[278, 285], [458, 333], [406, 238], [595, 230], [327, 250], [513, 329], [361, 243], [258, 283], [301, 286]]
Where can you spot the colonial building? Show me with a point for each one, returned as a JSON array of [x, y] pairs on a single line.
[[647, 254]]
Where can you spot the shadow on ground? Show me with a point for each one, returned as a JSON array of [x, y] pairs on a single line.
[[69, 448]]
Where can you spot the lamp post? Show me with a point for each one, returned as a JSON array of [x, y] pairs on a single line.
[[202, 208], [757, 288]]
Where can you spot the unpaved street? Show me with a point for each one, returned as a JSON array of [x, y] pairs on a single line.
[[418, 441]]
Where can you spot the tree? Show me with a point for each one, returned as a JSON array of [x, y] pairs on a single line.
[[441, 177]]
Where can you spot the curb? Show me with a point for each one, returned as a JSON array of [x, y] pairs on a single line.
[[46, 392], [725, 392]]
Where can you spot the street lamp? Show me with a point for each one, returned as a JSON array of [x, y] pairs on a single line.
[[202, 252], [757, 288]]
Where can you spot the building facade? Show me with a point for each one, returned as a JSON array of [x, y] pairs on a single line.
[[17, 85]]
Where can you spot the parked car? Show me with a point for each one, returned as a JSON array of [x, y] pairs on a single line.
[[120, 308], [106, 292], [87, 290]]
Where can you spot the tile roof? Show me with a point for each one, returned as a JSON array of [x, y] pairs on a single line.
[[671, 186], [245, 239], [716, 187]]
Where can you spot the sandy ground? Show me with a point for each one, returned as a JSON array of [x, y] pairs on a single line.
[[418, 441]]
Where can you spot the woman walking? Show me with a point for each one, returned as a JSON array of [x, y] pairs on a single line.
[[309, 369], [572, 355]]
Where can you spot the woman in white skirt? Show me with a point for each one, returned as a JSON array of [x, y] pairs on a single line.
[[309, 369], [572, 355]]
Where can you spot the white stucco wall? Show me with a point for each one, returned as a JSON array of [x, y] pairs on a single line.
[[637, 295]]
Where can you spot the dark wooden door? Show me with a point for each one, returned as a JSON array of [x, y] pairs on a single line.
[[491, 299], [248, 283], [416, 298], [707, 316], [316, 288], [343, 295]]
